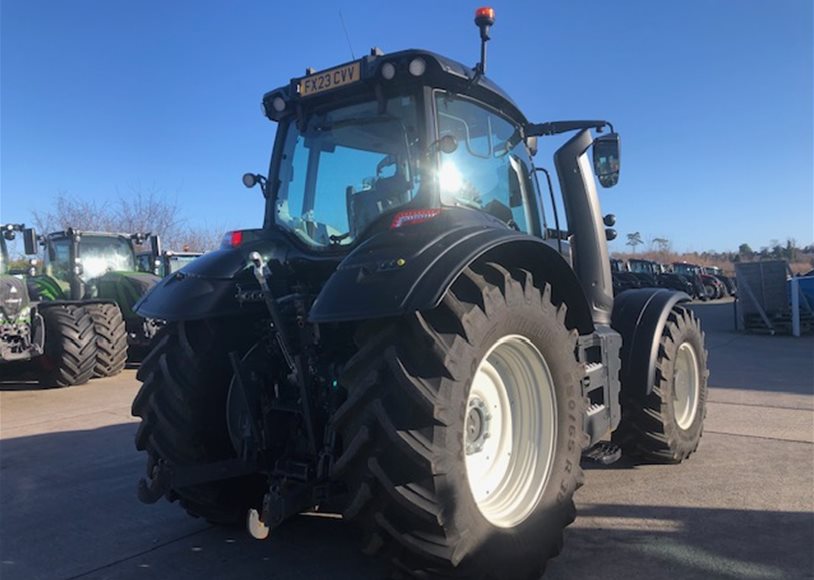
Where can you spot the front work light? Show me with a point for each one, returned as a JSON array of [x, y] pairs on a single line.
[[388, 71], [417, 67]]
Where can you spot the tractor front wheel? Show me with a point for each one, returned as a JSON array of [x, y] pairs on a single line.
[[462, 431], [666, 425]]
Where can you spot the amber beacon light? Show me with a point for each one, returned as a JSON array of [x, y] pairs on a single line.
[[484, 19]]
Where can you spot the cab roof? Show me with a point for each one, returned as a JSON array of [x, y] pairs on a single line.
[[440, 72]]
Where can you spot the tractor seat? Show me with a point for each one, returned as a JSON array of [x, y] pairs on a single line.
[[367, 205]]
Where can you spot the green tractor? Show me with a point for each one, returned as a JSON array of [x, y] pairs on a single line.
[[84, 266], [21, 327], [57, 341]]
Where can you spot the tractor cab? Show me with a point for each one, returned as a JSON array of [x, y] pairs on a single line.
[[73, 258], [392, 140], [643, 266], [166, 263], [416, 141], [686, 269], [99, 266]]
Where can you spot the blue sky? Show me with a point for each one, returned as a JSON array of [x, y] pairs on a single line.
[[713, 99]]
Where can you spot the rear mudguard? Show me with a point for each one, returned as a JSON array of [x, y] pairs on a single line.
[[210, 286], [392, 272], [123, 288], [43, 287], [639, 316], [410, 268]]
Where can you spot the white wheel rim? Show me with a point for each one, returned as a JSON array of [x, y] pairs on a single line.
[[510, 431], [686, 386]]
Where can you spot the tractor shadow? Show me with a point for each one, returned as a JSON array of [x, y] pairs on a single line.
[[82, 483], [81, 486]]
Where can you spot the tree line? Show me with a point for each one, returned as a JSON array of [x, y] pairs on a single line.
[[800, 258], [141, 211]]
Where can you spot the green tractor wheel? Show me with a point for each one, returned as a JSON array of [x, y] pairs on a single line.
[[70, 346], [111, 339]]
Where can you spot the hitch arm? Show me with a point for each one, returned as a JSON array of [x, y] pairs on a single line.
[[260, 273]]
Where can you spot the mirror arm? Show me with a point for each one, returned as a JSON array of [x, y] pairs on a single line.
[[263, 182], [557, 127]]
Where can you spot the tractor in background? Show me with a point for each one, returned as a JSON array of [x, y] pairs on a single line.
[[652, 274], [622, 278], [81, 266], [164, 262], [729, 282], [707, 287], [55, 340]]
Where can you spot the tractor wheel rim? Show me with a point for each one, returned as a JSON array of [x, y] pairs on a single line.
[[510, 431], [686, 386]]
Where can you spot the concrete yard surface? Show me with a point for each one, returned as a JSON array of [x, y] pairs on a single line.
[[742, 507]]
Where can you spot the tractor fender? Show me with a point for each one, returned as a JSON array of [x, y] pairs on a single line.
[[123, 288], [639, 316], [205, 288], [211, 285], [410, 269]]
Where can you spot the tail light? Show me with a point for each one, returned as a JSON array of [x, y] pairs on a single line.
[[232, 239], [413, 216]]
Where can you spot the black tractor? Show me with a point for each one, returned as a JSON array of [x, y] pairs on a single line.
[[706, 286], [654, 275], [99, 266], [57, 341], [730, 287], [622, 278], [401, 341]]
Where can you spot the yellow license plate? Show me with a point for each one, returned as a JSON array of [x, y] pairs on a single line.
[[330, 79]]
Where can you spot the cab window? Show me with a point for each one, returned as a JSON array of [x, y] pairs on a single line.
[[342, 169], [490, 170]]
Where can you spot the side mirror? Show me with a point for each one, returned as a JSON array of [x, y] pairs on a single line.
[[30, 241], [606, 159], [155, 245], [250, 180], [446, 144]]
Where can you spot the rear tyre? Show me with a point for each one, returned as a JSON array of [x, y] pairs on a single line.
[[111, 339], [182, 403], [709, 292], [463, 430], [70, 346], [666, 425]]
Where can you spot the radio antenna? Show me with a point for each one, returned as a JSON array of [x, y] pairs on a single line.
[[347, 37]]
